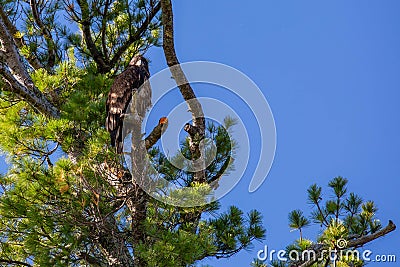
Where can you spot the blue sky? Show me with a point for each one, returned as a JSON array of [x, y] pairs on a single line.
[[330, 72]]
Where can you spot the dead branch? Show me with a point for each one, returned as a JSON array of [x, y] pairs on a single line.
[[156, 134], [368, 238], [183, 84], [194, 105], [177, 72]]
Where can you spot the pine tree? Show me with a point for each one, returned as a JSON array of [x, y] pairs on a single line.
[[67, 198], [347, 223]]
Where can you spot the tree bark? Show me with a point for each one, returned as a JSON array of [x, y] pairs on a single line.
[[112, 243]]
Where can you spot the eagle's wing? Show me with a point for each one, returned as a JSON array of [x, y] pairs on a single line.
[[118, 100]]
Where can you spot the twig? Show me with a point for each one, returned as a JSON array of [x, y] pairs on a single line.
[[51, 53]]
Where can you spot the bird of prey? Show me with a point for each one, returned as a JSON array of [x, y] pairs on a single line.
[[126, 86]]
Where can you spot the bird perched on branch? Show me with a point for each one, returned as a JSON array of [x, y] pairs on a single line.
[[126, 86]]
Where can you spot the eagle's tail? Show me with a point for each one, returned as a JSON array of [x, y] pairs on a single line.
[[114, 126]]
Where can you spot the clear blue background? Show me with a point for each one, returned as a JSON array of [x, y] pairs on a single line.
[[330, 71]]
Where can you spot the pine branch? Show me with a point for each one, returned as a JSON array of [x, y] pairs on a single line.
[[19, 41], [51, 51], [32, 96], [100, 56], [103, 31], [213, 181], [325, 221], [18, 263], [319, 248], [97, 55], [136, 36], [13, 70]]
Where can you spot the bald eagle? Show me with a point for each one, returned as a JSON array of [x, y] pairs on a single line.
[[125, 86]]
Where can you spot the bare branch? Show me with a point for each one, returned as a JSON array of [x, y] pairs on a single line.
[[194, 105], [368, 238], [156, 134], [191, 130], [2, 56], [177, 72]]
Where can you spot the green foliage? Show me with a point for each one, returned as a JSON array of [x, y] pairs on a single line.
[[297, 220], [115, 27], [80, 95], [218, 143], [35, 213], [49, 205], [342, 218], [233, 232], [65, 189], [177, 247], [258, 263], [333, 233]]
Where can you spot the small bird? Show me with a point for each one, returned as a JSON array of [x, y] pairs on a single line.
[[126, 85]]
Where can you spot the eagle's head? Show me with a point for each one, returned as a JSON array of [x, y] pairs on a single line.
[[139, 61]]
